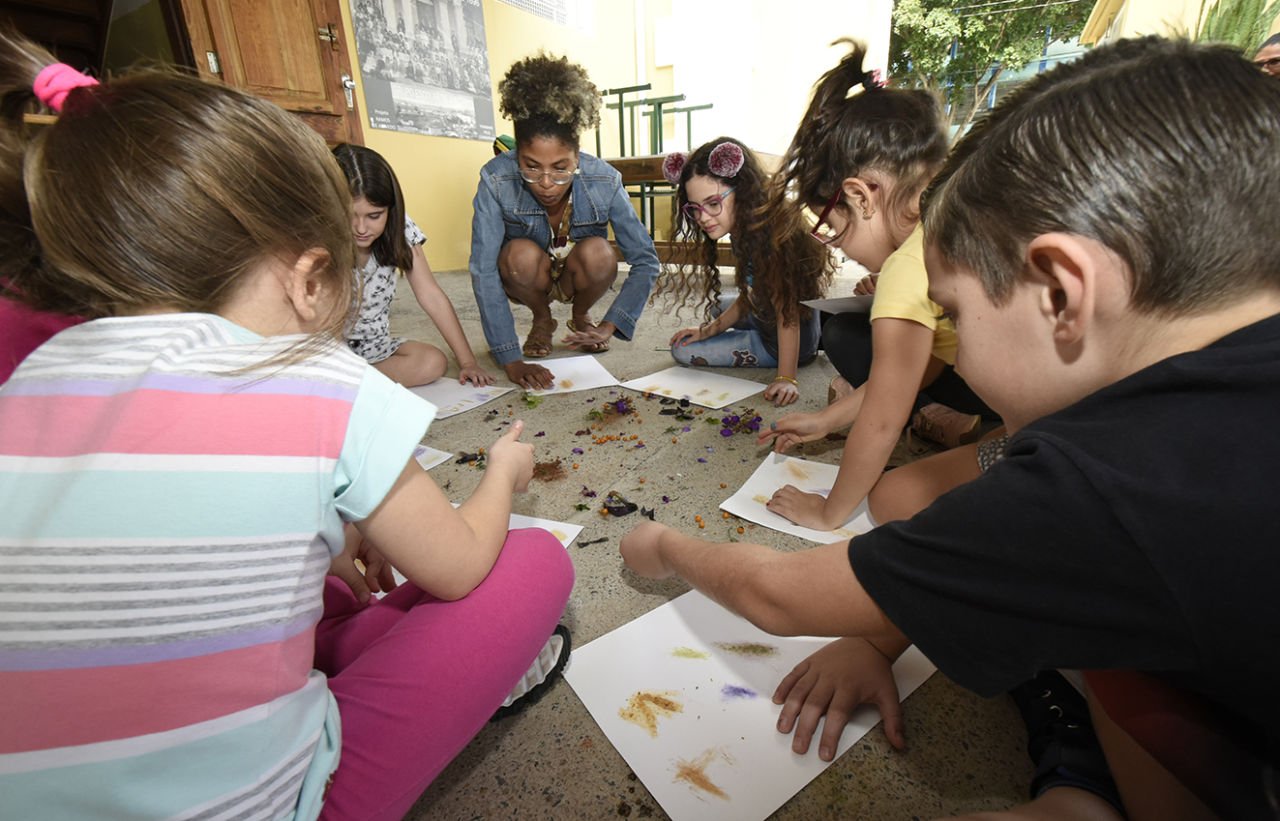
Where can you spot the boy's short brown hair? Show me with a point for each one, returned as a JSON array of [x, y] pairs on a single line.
[[1165, 151]]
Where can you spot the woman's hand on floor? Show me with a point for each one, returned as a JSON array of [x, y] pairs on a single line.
[[834, 682], [529, 376]]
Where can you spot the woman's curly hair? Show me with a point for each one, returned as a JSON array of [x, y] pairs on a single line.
[[785, 265], [548, 96]]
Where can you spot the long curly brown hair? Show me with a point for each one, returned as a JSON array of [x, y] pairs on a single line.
[[785, 265], [548, 96]]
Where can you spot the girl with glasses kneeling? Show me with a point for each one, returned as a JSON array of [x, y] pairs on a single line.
[[722, 190]]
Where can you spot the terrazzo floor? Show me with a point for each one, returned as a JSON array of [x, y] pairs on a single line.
[[552, 761]]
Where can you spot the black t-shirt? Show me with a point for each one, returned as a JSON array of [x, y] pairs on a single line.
[[1138, 529]]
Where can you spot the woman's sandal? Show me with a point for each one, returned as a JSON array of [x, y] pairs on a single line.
[[595, 347], [544, 671], [538, 344]]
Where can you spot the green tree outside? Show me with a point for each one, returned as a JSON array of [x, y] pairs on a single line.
[[959, 49]]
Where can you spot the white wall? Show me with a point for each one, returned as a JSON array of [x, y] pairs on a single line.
[[757, 61]]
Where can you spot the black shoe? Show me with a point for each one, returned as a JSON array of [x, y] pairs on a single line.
[[1061, 740], [544, 671]]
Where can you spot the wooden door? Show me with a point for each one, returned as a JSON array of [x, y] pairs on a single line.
[[291, 52]]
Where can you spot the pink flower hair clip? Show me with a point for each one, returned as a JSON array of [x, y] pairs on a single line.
[[726, 160], [673, 165]]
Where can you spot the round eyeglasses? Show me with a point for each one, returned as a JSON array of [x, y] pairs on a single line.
[[822, 230], [712, 206], [557, 177]]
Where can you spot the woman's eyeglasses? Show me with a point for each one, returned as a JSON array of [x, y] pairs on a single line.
[[557, 177], [712, 206], [822, 230]]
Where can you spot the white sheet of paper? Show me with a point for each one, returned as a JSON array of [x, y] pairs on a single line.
[[451, 399], [576, 373], [843, 304], [564, 532], [429, 457], [716, 754], [705, 388], [812, 477]]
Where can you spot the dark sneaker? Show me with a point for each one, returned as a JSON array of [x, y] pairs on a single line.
[[1061, 740], [546, 668]]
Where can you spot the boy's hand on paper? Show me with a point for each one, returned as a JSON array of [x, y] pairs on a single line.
[[834, 682], [805, 509], [529, 376], [866, 285], [792, 430], [474, 374], [640, 552], [510, 454]]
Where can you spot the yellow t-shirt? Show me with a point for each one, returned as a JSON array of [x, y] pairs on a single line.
[[902, 292]]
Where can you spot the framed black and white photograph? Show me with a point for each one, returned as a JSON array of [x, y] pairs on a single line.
[[425, 66]]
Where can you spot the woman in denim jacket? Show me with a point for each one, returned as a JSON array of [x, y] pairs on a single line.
[[540, 226]]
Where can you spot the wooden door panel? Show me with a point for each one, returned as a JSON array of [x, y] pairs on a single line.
[[291, 52], [249, 35]]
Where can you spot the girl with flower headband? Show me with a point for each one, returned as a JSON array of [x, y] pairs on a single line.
[[180, 468], [721, 190], [859, 162], [542, 215]]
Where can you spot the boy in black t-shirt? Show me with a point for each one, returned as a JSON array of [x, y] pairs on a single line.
[[1104, 241]]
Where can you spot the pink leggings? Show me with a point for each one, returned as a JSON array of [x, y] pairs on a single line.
[[416, 678]]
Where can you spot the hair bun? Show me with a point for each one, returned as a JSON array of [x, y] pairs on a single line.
[[726, 159], [673, 165]]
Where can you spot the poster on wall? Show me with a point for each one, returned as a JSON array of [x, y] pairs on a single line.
[[425, 66]]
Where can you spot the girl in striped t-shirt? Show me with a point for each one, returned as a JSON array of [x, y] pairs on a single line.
[[178, 471]]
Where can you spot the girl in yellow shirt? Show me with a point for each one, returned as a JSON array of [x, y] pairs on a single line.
[[860, 163]]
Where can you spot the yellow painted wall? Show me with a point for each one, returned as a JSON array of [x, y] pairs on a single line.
[[439, 174]]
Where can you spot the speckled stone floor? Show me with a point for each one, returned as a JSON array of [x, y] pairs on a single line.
[[552, 761]]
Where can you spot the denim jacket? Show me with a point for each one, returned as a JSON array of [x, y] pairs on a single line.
[[504, 209]]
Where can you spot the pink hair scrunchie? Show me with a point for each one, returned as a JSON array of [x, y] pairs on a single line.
[[56, 81]]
